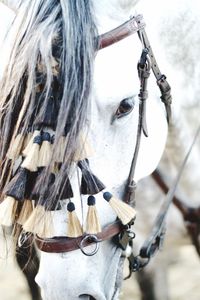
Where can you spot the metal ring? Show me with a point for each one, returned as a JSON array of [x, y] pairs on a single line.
[[131, 234], [91, 238]]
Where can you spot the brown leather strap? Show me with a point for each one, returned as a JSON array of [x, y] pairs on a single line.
[[126, 29], [66, 244], [162, 83], [152, 243], [191, 215]]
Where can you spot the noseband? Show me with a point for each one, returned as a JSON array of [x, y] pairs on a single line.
[[147, 61]]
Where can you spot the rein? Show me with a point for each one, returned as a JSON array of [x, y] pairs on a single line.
[[155, 239], [121, 234], [191, 215]]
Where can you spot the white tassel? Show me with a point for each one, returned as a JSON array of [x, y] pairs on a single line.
[[93, 225], [40, 222], [16, 147], [74, 228], [29, 145], [124, 211], [31, 161], [25, 212], [7, 208]]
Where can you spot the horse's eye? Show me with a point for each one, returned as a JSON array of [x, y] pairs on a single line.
[[125, 107]]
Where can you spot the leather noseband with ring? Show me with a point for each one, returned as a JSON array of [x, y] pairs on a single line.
[[117, 230]]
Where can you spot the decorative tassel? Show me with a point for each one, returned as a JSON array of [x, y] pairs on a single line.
[[38, 192], [25, 212], [31, 161], [49, 114], [74, 228], [16, 188], [60, 149], [92, 221], [28, 138], [90, 184], [40, 222], [16, 147], [7, 211], [65, 189], [45, 153], [29, 145], [124, 212], [84, 150]]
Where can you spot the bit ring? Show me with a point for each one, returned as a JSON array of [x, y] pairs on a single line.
[[90, 238]]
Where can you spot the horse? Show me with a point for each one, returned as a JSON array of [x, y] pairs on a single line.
[[57, 54]]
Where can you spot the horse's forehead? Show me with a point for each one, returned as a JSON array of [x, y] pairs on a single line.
[[115, 70]]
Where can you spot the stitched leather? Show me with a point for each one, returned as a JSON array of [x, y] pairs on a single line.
[[66, 244]]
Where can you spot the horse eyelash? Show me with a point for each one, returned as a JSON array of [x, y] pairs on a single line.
[[125, 108]]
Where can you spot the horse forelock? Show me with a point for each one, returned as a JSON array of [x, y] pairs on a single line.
[[70, 27]]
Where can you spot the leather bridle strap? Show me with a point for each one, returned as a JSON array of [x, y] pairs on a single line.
[[154, 241], [191, 215], [162, 83], [137, 24], [66, 244], [126, 29]]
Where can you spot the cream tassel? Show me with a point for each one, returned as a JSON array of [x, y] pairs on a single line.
[[31, 161], [25, 212], [7, 211], [40, 222], [29, 145], [16, 147], [92, 221], [74, 228], [124, 211]]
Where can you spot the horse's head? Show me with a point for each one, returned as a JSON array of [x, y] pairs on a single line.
[[110, 119]]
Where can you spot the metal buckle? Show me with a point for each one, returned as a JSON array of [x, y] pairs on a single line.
[[124, 238], [90, 238]]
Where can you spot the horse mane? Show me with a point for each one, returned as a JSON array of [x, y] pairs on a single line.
[[52, 58]]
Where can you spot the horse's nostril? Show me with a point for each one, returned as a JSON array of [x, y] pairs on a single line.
[[86, 297]]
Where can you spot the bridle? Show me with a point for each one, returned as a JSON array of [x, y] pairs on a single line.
[[121, 234]]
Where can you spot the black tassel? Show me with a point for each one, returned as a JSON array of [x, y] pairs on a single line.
[[65, 189], [90, 184], [17, 186], [45, 153], [38, 191], [47, 113]]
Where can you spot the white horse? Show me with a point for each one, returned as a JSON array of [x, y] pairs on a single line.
[[112, 134]]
